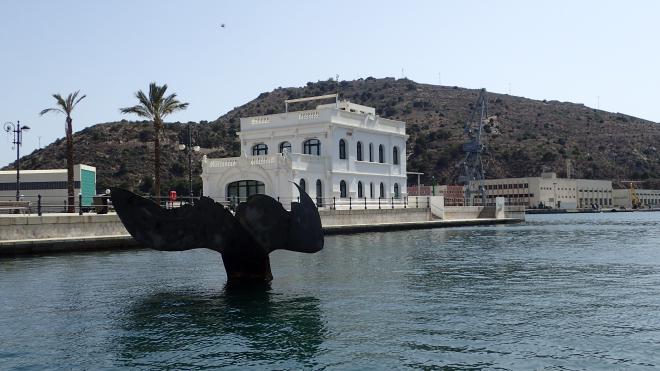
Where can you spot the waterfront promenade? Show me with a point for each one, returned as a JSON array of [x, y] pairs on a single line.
[[61, 232]]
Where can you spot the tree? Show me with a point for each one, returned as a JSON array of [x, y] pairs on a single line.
[[66, 106], [155, 107]]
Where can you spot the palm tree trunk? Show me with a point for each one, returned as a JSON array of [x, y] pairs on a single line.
[[69, 165], [157, 127]]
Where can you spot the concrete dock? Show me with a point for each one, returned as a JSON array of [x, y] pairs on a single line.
[[57, 233]]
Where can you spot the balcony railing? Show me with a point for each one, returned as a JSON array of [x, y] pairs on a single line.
[[236, 161]]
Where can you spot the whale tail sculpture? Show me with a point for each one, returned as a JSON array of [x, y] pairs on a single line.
[[244, 240]]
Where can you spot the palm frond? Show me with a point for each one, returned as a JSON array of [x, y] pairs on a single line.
[[155, 106], [171, 104], [156, 96], [69, 103], [139, 110], [60, 101], [144, 101], [45, 111], [76, 101], [65, 105]]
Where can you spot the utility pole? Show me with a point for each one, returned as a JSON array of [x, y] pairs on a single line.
[[17, 130], [189, 148]]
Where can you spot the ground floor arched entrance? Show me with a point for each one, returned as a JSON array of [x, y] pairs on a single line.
[[239, 191]]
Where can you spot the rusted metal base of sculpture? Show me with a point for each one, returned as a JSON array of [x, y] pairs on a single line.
[[260, 226], [247, 269]]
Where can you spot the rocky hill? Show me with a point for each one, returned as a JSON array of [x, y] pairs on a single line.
[[524, 136]]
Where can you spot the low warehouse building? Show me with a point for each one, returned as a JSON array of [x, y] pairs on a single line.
[[50, 185]]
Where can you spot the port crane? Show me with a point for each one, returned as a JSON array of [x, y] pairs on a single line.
[[472, 176], [636, 203]]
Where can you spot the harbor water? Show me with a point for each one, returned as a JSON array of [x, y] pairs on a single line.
[[559, 291]]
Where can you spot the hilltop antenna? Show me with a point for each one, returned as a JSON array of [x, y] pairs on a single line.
[[473, 168]]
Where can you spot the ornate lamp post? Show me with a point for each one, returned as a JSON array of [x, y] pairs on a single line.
[[17, 130], [189, 149]]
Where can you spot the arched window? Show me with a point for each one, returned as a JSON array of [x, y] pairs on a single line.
[[240, 190], [312, 147], [395, 155], [381, 154], [303, 185], [342, 189], [371, 152], [359, 151], [360, 190], [371, 190], [259, 149], [319, 193], [285, 145], [396, 190], [382, 190], [342, 149]]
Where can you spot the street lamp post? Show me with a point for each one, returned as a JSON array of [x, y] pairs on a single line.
[[17, 130], [189, 148]]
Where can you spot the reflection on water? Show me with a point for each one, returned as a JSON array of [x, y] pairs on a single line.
[[558, 292], [246, 327]]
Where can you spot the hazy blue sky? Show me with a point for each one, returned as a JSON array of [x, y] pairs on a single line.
[[566, 50]]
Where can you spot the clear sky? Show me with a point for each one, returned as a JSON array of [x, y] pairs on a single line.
[[602, 53]]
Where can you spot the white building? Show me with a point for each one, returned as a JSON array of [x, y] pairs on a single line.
[[50, 185], [648, 198], [550, 191], [337, 152]]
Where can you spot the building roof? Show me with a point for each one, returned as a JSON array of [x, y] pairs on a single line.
[[47, 171]]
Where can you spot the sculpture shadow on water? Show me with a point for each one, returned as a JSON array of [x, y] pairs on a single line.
[[238, 327], [244, 239]]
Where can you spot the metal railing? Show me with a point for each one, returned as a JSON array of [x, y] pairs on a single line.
[[344, 203], [41, 204], [102, 204]]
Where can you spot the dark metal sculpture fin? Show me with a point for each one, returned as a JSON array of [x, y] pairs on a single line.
[[266, 221], [272, 227], [203, 225], [305, 229]]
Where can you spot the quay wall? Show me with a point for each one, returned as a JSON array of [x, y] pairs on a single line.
[[373, 216], [32, 234], [23, 227], [32, 227]]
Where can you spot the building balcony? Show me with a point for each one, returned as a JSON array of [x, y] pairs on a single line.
[[377, 168], [297, 161], [228, 162], [322, 116], [300, 161], [285, 119]]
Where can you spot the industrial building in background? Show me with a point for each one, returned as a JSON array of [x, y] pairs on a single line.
[[548, 191], [631, 198], [50, 185]]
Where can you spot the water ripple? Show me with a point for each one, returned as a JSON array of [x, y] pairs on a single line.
[[558, 292]]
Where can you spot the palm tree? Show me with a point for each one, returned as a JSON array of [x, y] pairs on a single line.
[[155, 108], [66, 106]]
